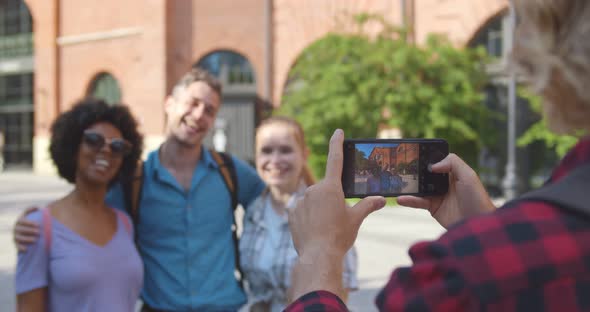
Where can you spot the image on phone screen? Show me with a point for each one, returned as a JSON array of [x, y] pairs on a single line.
[[386, 168]]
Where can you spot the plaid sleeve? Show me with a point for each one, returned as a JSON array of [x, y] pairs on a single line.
[[317, 301], [432, 284]]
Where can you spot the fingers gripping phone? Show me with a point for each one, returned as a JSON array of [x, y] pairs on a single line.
[[393, 167]]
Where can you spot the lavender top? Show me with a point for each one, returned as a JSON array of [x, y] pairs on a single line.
[[80, 275]]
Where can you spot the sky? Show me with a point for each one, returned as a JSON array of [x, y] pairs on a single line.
[[368, 147]]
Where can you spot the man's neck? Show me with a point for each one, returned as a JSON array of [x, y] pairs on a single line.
[[174, 155]]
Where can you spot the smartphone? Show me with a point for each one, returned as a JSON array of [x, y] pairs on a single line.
[[393, 167]]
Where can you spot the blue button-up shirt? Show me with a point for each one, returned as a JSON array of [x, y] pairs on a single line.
[[185, 237]]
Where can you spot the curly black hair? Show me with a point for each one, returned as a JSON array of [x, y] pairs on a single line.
[[68, 128]]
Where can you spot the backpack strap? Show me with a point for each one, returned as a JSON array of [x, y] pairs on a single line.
[[228, 172], [571, 192], [46, 220], [132, 192]]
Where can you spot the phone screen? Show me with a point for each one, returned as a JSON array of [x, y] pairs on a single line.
[[393, 167], [386, 168]]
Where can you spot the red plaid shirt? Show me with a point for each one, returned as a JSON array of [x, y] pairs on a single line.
[[526, 256]]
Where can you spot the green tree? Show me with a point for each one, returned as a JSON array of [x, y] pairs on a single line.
[[539, 132], [402, 168], [360, 160], [359, 82], [413, 167]]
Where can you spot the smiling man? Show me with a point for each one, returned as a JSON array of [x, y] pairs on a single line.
[[185, 214]]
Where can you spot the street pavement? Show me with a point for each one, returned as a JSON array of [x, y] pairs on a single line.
[[382, 243], [19, 190]]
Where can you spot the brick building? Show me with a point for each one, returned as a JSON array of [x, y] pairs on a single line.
[[54, 52], [389, 157], [382, 156], [406, 153]]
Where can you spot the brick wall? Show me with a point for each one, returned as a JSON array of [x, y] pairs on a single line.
[[148, 44], [297, 24], [459, 19]]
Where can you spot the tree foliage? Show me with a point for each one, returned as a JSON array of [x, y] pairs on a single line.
[[360, 82], [360, 160], [540, 132]]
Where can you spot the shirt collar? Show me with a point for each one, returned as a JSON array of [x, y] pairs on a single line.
[[207, 158], [154, 165], [576, 157], [257, 207]]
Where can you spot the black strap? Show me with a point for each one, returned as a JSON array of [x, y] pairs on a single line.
[[146, 308], [132, 189], [572, 192], [229, 164], [230, 178]]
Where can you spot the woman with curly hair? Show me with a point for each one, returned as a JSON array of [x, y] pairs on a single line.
[[85, 259]]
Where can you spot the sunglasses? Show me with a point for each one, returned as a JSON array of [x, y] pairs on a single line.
[[96, 141]]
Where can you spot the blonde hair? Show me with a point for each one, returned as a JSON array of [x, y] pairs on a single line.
[[299, 137], [552, 52]]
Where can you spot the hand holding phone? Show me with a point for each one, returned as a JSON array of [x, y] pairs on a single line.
[[393, 167], [466, 196]]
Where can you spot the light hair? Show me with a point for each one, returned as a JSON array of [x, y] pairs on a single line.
[[298, 135], [194, 75], [552, 52]]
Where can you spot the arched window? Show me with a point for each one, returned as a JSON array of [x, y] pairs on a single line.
[[230, 67], [16, 83], [492, 37], [236, 119], [16, 28], [105, 87]]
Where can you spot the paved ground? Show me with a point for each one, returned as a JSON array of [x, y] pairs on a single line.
[[19, 190], [382, 243]]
